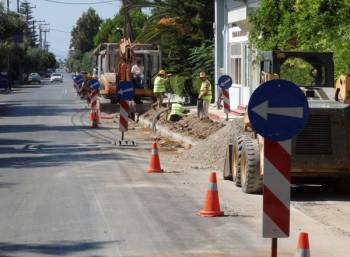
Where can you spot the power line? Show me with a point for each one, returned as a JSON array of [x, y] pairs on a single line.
[[82, 3], [58, 30]]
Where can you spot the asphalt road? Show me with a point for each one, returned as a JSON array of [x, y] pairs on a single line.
[[66, 191]]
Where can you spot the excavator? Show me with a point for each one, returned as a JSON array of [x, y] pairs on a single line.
[[321, 152], [115, 60]]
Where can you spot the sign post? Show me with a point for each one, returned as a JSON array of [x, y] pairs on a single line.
[[94, 86], [225, 82], [125, 92], [278, 111]]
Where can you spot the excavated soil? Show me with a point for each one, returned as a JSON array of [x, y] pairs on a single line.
[[210, 153], [212, 139], [189, 125]]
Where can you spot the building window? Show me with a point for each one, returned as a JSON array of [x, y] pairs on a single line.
[[236, 70], [236, 63]]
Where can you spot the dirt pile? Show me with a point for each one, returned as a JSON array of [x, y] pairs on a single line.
[[208, 153], [188, 125], [211, 152]]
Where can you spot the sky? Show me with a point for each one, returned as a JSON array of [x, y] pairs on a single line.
[[62, 18]]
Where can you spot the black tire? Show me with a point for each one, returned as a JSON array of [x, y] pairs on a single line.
[[236, 160], [227, 172], [251, 179]]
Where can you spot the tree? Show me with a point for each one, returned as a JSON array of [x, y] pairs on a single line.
[[305, 25], [38, 60], [27, 11], [177, 29], [82, 35], [109, 32]]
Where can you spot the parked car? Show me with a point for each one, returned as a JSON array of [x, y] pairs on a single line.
[[56, 77], [34, 78]]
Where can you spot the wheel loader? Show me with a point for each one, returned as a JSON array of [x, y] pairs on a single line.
[[321, 152]]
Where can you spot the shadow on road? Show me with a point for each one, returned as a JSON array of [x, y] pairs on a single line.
[[60, 248], [41, 156], [27, 128], [18, 110], [5, 141]]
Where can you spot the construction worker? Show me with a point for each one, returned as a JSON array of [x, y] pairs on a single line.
[[205, 96], [177, 109], [159, 87], [137, 71]]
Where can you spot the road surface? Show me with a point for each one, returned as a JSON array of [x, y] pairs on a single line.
[[65, 190]]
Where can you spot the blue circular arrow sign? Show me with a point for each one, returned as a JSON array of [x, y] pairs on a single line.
[[225, 82], [278, 110], [94, 84], [125, 90], [79, 79]]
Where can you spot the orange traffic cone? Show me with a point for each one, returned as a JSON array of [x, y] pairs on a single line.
[[211, 204], [154, 163], [303, 249]]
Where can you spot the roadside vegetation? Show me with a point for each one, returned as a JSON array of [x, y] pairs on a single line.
[[20, 53], [184, 33], [306, 25]]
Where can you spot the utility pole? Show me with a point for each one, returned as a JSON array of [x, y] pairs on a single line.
[[45, 30], [18, 2], [41, 24], [8, 6]]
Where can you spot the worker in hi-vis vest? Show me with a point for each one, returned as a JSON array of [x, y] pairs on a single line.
[[177, 110], [204, 97], [159, 87]]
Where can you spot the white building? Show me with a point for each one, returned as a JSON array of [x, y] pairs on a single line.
[[233, 57]]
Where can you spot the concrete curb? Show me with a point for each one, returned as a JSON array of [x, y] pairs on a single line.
[[164, 131]]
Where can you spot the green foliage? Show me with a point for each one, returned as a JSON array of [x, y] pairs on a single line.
[[297, 71], [82, 35], [38, 60], [304, 25], [202, 59], [184, 85], [20, 57], [10, 24], [184, 32], [29, 31], [84, 62], [109, 29], [177, 85]]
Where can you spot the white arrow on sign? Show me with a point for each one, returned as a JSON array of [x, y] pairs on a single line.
[[263, 110], [122, 92]]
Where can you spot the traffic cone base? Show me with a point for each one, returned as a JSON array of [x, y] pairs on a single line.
[[154, 163], [303, 249], [212, 204]]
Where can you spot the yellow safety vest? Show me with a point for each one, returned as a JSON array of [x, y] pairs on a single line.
[[208, 96], [177, 109], [159, 85]]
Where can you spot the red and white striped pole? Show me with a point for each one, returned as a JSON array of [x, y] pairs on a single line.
[[124, 115], [276, 199], [95, 108], [226, 96]]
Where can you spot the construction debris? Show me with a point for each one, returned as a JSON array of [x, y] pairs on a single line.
[[188, 125], [211, 152]]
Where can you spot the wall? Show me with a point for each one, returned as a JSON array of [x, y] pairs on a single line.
[[232, 28]]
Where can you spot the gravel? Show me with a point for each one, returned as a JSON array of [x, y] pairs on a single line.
[[210, 153]]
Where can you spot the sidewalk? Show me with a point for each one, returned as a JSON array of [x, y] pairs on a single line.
[[218, 115]]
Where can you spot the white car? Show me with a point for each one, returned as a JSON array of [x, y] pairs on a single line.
[[56, 77]]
